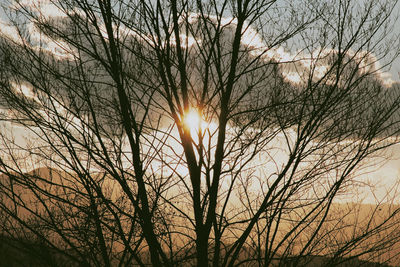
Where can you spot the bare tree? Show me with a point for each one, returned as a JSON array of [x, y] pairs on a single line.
[[196, 132]]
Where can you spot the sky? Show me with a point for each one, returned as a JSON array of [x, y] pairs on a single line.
[[395, 70], [393, 73], [385, 175]]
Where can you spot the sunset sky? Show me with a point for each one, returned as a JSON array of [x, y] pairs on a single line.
[[384, 174]]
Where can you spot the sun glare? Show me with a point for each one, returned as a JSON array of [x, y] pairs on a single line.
[[193, 120]]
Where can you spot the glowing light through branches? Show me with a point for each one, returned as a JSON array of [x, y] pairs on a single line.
[[193, 120]]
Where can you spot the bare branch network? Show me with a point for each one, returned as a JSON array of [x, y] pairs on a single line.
[[207, 133]]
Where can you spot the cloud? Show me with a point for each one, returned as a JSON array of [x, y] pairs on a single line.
[[185, 41], [51, 10], [369, 63], [60, 112], [319, 62], [41, 42], [299, 66], [10, 32], [25, 90], [296, 73], [316, 62], [44, 8], [293, 77]]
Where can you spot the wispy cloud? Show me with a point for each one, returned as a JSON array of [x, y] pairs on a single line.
[[10, 32]]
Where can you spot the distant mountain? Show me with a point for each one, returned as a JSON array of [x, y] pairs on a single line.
[[356, 217]]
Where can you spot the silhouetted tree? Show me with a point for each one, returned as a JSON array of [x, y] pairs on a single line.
[[196, 132]]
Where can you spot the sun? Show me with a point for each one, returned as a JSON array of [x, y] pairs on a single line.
[[193, 120], [201, 130]]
